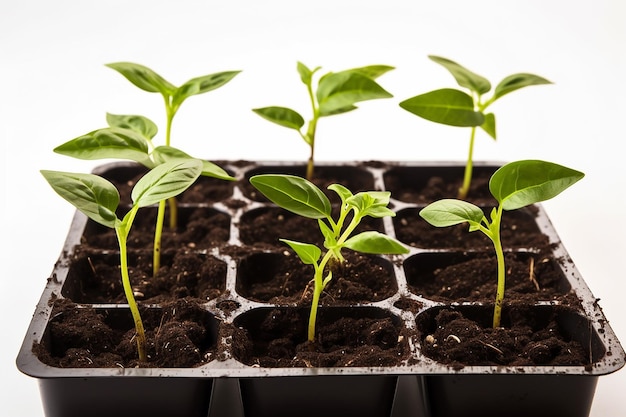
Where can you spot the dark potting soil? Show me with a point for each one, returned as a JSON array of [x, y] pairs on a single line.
[[179, 335], [528, 339], [270, 272]]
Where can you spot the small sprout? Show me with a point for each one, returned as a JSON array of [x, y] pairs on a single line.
[[305, 199], [457, 108], [98, 199], [514, 185], [335, 93]]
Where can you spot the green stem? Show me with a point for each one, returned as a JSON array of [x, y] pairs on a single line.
[[497, 243], [317, 292], [467, 178], [310, 134], [122, 234], [319, 275], [158, 232], [170, 112], [173, 205]]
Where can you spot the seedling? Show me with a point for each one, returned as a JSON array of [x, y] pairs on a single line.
[[98, 199], [303, 198], [457, 108], [130, 136], [514, 185], [334, 93]]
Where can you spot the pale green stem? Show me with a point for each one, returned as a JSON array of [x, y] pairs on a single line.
[[497, 244], [317, 292], [156, 251], [319, 276], [467, 178], [158, 232], [310, 166], [497, 310], [122, 234], [310, 134]]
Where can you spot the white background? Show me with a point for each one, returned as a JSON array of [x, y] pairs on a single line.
[[55, 87]]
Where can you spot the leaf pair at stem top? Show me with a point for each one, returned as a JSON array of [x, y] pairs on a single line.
[[335, 93]]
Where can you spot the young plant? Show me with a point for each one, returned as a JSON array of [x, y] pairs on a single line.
[[334, 93], [514, 185], [303, 198], [130, 136], [148, 80], [98, 199], [457, 108]]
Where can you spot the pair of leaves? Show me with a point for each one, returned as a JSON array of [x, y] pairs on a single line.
[[98, 199], [336, 93], [514, 185], [148, 80], [129, 137], [304, 198], [457, 108]]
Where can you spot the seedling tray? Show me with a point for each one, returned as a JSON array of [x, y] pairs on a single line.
[[421, 386]]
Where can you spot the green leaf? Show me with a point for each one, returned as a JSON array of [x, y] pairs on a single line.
[[166, 181], [448, 106], [464, 77], [94, 196], [308, 254], [143, 77], [330, 239], [489, 125], [306, 75], [339, 91], [521, 183], [517, 81], [371, 71], [341, 110], [371, 203], [139, 124], [164, 153], [112, 142], [341, 191], [375, 243], [293, 193], [201, 85], [282, 116], [449, 212]]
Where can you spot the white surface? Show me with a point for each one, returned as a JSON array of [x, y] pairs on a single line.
[[55, 87]]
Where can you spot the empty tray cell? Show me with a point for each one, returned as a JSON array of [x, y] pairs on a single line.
[[281, 278]]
